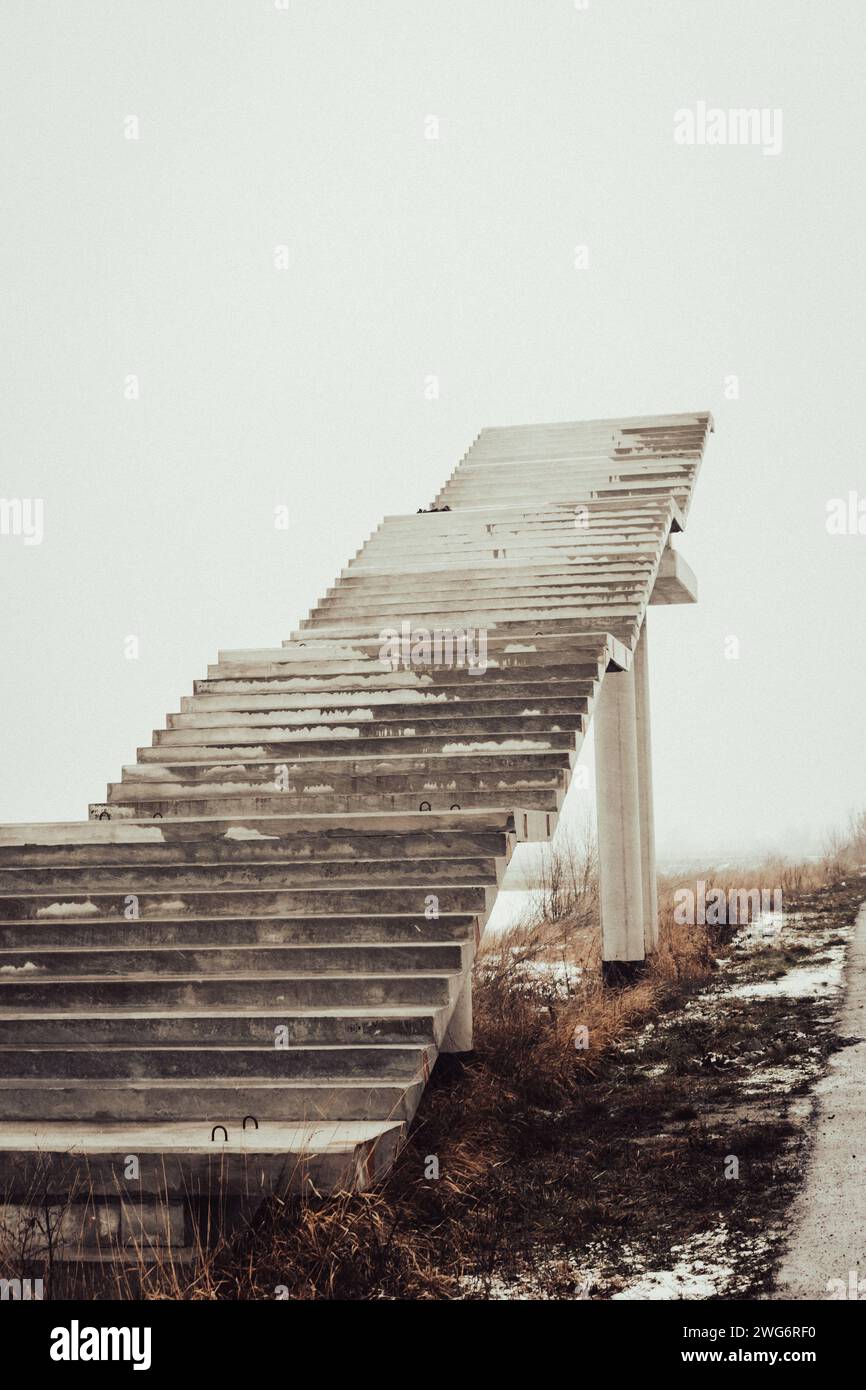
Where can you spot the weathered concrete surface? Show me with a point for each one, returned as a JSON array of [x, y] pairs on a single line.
[[643, 738], [620, 870], [275, 911], [828, 1238]]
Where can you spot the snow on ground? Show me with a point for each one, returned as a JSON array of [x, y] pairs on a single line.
[[804, 956], [702, 1267], [706, 1266]]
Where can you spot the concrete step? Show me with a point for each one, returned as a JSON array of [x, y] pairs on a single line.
[[518, 569], [562, 549], [80, 1063], [191, 782], [284, 902], [310, 654], [304, 836], [308, 648], [329, 729], [386, 760], [72, 994], [493, 514], [193, 932], [618, 484], [507, 575], [264, 850], [559, 551], [225, 1027], [210, 1100], [307, 654], [495, 706], [560, 621], [371, 675], [124, 878], [129, 803], [178, 1159], [438, 766], [618, 487], [447, 613], [470, 626], [362, 590], [46, 964], [513, 740], [477, 694], [295, 669], [611, 519]]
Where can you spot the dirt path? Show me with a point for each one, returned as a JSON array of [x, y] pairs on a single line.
[[826, 1254]]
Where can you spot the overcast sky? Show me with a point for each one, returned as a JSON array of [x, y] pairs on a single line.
[[307, 128]]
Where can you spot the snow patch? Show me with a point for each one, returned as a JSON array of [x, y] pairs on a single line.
[[243, 832], [704, 1267], [337, 731], [68, 910], [508, 745]]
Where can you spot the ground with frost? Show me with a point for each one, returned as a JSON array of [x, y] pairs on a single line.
[[688, 1143]]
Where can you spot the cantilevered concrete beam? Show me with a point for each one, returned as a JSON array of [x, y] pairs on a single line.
[[675, 581]]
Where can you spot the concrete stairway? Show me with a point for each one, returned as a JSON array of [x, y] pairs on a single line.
[[274, 913]]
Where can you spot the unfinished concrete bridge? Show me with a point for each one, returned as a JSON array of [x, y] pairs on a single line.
[[269, 925]]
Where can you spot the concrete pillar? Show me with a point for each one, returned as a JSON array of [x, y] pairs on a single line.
[[618, 815], [458, 1035], [645, 793]]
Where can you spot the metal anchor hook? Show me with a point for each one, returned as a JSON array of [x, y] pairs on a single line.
[[224, 1130], [425, 806], [250, 1117]]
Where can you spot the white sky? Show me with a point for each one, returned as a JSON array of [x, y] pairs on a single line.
[[409, 256]]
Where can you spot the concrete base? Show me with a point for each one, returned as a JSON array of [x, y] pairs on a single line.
[[87, 1228], [619, 974]]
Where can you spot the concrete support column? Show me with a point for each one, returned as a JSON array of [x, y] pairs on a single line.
[[645, 793], [619, 832], [458, 1035]]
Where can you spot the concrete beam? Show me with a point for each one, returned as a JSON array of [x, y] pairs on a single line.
[[645, 793], [619, 833], [675, 581]]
